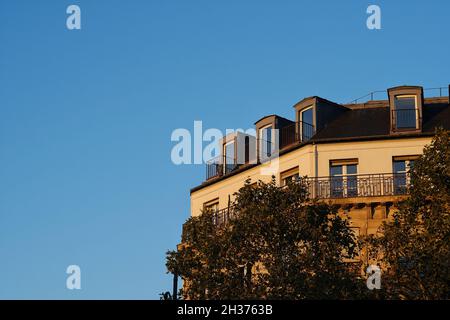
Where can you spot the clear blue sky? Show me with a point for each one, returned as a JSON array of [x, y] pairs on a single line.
[[86, 116]]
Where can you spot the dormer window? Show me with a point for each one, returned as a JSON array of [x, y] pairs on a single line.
[[306, 127], [312, 114], [268, 136], [405, 105], [266, 139], [229, 156]]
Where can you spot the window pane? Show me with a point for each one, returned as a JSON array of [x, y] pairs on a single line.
[[289, 179], [336, 184], [230, 158], [405, 112], [399, 176], [269, 141], [405, 103], [307, 124], [399, 166], [307, 116], [352, 186], [266, 142], [405, 118], [336, 170], [268, 134], [229, 152], [212, 207], [352, 169]]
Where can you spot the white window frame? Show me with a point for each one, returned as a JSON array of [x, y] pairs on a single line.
[[344, 176], [225, 150], [302, 121], [210, 204], [263, 156]]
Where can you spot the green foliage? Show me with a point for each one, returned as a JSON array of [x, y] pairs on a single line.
[[413, 249], [280, 245]]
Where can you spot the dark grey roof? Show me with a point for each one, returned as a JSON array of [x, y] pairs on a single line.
[[372, 122], [364, 122], [357, 123], [436, 115]]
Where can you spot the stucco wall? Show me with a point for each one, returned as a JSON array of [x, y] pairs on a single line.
[[373, 157]]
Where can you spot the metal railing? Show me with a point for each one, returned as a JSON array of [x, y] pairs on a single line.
[[352, 186], [222, 216], [220, 166], [364, 97], [214, 168], [377, 93], [340, 187], [441, 90], [288, 135], [267, 149], [296, 132]]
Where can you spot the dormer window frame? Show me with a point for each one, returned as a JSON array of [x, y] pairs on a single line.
[[395, 94], [303, 106], [224, 150], [269, 143], [306, 129], [272, 121]]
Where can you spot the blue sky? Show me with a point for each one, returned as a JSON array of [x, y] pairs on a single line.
[[86, 116]]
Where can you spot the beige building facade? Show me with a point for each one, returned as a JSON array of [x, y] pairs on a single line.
[[354, 155]]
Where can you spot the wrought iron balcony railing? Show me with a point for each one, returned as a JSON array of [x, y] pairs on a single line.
[[366, 185]]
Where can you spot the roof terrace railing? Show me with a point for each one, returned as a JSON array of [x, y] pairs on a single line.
[[297, 132], [374, 94]]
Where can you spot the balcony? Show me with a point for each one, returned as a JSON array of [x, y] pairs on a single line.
[[296, 133], [220, 166], [355, 186]]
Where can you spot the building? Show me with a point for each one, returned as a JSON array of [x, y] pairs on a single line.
[[356, 155]]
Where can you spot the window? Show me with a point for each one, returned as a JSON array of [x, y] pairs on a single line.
[[405, 112], [212, 206], [306, 124], [401, 167], [336, 181], [229, 153], [406, 106], [343, 178], [247, 149], [290, 179], [352, 182], [289, 176], [266, 145]]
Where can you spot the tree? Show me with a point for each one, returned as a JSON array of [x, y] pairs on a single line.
[[413, 249], [279, 245]]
